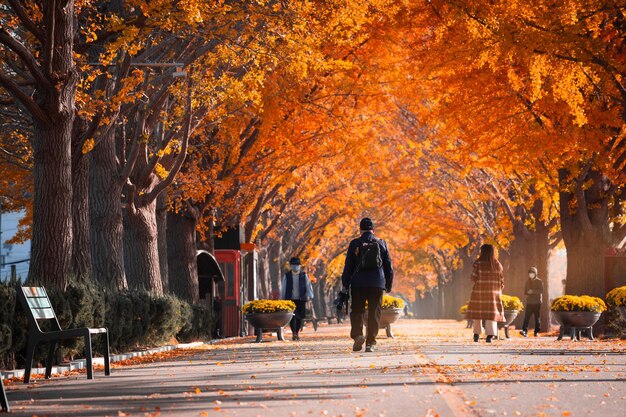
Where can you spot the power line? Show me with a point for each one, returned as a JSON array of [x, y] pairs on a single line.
[[15, 262]]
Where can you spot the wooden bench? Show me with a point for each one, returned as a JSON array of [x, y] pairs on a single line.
[[3, 398], [38, 308]]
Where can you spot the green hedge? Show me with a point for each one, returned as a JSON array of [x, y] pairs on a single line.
[[135, 319]]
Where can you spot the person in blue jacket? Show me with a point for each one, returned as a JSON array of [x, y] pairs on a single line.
[[367, 273], [296, 286]]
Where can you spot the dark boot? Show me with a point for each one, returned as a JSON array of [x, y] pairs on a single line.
[[476, 336]]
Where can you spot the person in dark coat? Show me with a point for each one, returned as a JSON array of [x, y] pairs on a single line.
[[296, 286], [367, 273], [534, 298], [486, 298]]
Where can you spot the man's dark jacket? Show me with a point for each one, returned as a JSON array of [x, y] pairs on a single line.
[[375, 278], [536, 285]]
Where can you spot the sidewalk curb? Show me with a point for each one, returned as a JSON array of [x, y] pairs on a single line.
[[82, 363]]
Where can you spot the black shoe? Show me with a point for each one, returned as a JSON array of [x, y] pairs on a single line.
[[358, 343], [489, 337], [536, 334], [524, 333], [369, 348], [476, 336]]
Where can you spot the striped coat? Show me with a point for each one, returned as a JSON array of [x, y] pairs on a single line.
[[486, 299]]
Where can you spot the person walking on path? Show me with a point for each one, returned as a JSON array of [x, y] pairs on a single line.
[[296, 286], [367, 273], [534, 298], [486, 298]]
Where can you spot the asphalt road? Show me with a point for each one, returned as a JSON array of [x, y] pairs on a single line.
[[431, 368]]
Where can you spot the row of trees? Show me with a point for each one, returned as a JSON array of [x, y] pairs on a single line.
[[134, 131]]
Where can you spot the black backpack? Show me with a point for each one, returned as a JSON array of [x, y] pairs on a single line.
[[369, 254]]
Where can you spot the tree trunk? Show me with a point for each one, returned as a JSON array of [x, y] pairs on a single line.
[[274, 252], [107, 230], [264, 272], [141, 248], [161, 216], [181, 245], [52, 207], [542, 237], [586, 234], [81, 244], [51, 245]]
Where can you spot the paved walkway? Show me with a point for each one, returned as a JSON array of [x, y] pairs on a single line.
[[431, 368]]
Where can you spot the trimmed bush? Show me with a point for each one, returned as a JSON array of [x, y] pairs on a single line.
[[135, 319]]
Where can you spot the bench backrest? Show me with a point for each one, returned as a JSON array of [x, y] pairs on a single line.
[[37, 305]]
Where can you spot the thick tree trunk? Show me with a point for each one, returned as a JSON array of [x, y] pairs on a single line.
[[161, 215], [141, 248], [107, 230], [585, 267], [586, 235], [521, 256], [51, 245], [181, 245], [51, 248]]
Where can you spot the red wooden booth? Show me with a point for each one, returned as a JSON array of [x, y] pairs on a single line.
[[238, 262]]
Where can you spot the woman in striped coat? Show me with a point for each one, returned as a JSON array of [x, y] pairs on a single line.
[[486, 299]]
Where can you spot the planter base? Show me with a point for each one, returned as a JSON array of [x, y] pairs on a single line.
[[258, 331], [575, 333], [576, 323]]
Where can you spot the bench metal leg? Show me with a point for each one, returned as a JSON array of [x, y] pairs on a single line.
[[50, 359], [279, 334], [3, 398], [88, 356], [590, 329], [506, 332], [259, 334], [107, 358], [30, 353]]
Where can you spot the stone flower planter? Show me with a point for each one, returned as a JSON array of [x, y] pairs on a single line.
[[509, 316], [269, 322], [576, 322], [387, 317]]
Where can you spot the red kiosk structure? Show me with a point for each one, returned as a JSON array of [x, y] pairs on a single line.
[[238, 262]]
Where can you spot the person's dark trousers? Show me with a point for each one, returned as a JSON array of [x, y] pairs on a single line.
[[374, 298], [298, 316], [532, 309]]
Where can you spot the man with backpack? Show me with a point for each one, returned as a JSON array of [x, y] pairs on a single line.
[[367, 273]]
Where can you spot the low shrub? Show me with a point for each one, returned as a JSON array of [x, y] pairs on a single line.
[[511, 302], [617, 297], [135, 319], [578, 303], [268, 306]]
